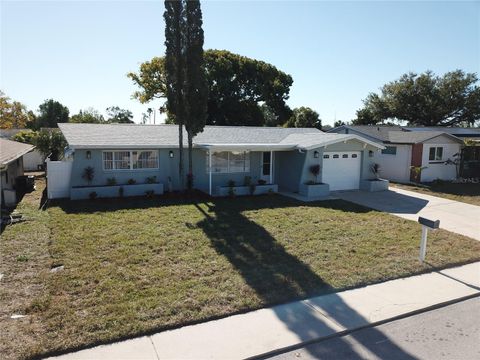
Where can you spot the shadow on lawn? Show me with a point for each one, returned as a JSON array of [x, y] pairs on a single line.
[[277, 276]]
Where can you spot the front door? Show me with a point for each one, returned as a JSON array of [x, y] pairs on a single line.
[[266, 166]]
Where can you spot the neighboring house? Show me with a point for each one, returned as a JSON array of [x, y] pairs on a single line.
[[276, 156], [11, 166], [34, 160], [404, 149], [470, 133]]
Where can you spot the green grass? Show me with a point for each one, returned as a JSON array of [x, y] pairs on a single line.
[[134, 266], [468, 193]]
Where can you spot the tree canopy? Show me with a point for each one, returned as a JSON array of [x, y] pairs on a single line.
[[50, 113], [88, 116], [118, 115], [425, 100], [13, 114], [304, 117], [238, 89]]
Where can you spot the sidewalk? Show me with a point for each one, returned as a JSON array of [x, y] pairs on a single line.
[[266, 330]]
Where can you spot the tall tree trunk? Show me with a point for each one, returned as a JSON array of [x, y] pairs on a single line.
[[190, 160], [181, 175]]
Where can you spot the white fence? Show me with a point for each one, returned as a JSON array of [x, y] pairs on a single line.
[[58, 179]]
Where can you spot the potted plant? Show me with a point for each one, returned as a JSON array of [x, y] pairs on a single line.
[[375, 184], [313, 188], [88, 174]]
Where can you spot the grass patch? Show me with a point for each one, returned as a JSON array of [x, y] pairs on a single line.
[[467, 193], [134, 266]]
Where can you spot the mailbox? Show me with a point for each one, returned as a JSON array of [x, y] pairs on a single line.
[[432, 224]]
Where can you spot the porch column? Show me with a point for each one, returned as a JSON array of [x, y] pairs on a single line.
[[209, 172], [271, 167]]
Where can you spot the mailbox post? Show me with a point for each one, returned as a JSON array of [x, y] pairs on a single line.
[[426, 224]]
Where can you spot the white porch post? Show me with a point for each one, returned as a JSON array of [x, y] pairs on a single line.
[[209, 172], [271, 167]]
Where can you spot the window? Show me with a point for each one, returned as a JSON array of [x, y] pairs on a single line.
[[436, 153], [230, 162], [326, 156], [128, 160], [145, 159], [345, 156], [335, 156], [266, 163], [390, 150], [354, 156]]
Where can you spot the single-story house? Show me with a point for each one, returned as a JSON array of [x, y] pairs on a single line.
[[278, 158], [429, 150], [32, 161], [470, 133], [11, 166]]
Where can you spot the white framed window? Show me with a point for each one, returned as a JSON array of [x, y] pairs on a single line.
[[130, 159], [230, 162], [435, 153]]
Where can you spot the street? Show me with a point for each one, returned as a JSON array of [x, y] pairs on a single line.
[[451, 332]]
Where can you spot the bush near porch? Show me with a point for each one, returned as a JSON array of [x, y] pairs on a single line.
[[138, 265]]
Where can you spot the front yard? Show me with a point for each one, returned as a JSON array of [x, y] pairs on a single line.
[[134, 266], [467, 193]]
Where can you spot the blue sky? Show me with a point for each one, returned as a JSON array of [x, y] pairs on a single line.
[[337, 52]]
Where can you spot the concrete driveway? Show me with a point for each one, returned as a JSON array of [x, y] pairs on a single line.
[[454, 216]]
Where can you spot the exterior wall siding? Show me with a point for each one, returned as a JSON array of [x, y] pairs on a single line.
[[168, 168], [289, 167], [438, 169], [395, 167]]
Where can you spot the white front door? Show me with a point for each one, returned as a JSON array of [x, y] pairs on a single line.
[[266, 166], [341, 170]]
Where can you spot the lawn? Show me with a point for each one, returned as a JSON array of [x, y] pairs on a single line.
[[467, 193], [135, 266]]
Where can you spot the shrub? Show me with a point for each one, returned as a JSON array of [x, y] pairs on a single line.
[[231, 183], [131, 181], [315, 170], [247, 181], [120, 191], [261, 182], [375, 169], [111, 181], [88, 174], [151, 180], [149, 193], [93, 195], [252, 188], [189, 181], [231, 190]]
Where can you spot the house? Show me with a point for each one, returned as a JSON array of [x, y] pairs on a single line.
[[11, 167], [129, 155], [426, 149], [32, 161], [463, 133]]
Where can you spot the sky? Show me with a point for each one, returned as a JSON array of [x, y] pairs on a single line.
[[79, 52]]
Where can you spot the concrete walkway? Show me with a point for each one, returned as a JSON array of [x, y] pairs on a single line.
[[263, 331], [454, 216]]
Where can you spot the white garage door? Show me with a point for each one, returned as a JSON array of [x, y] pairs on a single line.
[[341, 170]]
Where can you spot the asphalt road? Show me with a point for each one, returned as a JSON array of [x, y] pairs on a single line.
[[451, 332]]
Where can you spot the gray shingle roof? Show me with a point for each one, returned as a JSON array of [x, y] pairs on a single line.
[[399, 134], [12, 150], [130, 135]]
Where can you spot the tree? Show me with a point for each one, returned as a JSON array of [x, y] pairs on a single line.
[[51, 113], [88, 116], [50, 142], [26, 137], [338, 123], [425, 100], [304, 117], [175, 71], [13, 114], [239, 88], [117, 115], [196, 90]]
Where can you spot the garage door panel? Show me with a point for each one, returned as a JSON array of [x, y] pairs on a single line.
[[341, 170]]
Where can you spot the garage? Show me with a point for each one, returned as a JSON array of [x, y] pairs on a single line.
[[341, 170]]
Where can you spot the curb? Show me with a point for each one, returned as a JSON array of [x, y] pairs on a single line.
[[302, 344]]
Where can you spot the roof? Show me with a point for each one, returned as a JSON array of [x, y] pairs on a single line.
[[397, 134], [118, 136], [9, 133], [457, 131], [12, 150]]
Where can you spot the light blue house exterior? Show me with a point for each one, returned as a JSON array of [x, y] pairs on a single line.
[[145, 158]]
